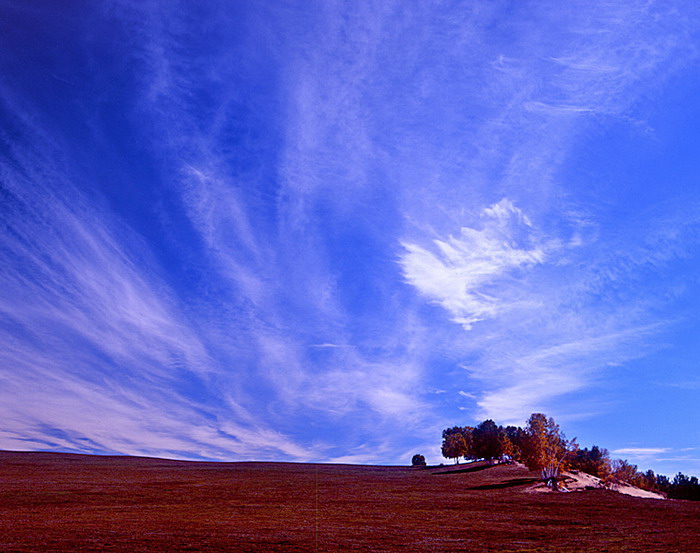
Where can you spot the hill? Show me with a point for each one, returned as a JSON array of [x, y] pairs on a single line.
[[64, 502]]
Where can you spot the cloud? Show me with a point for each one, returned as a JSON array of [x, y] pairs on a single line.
[[201, 242], [458, 273], [547, 336], [687, 385], [330, 346], [640, 451], [102, 344]]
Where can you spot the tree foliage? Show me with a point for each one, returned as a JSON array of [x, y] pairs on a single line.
[[515, 444], [594, 461], [455, 443], [623, 472], [418, 460], [681, 487], [541, 445], [684, 487], [545, 447], [489, 441]]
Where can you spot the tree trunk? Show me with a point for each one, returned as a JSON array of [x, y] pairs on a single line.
[[550, 474]]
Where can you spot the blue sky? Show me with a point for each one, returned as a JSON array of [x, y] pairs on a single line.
[[325, 231]]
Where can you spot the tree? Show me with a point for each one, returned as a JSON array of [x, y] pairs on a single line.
[[646, 480], [418, 460], [685, 487], [546, 448], [456, 442], [595, 461], [663, 483], [468, 435], [622, 472], [516, 437], [490, 441]]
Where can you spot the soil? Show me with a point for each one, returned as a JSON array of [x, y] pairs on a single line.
[[65, 503]]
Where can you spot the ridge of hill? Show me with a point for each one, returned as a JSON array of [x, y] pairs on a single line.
[[68, 502]]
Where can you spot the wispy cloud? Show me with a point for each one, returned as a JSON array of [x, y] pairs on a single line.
[[457, 276], [537, 340], [541, 318], [102, 344], [640, 451], [201, 245]]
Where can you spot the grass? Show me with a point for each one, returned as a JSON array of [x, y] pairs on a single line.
[[61, 502]]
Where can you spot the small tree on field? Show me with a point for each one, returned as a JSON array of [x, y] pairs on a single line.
[[546, 448], [418, 460]]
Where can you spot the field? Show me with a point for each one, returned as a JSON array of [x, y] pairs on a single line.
[[66, 503]]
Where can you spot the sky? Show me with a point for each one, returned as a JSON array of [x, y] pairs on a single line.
[[325, 230]]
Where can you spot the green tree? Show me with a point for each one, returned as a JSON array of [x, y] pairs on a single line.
[[645, 480], [468, 434]]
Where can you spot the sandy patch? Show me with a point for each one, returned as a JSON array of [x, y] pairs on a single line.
[[580, 481]]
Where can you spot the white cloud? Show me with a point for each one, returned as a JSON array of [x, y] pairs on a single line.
[[343, 143], [531, 393], [458, 273], [98, 351], [330, 346], [640, 451]]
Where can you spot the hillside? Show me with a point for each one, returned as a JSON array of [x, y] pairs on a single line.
[[63, 502]]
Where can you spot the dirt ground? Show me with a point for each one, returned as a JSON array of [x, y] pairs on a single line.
[[65, 503]]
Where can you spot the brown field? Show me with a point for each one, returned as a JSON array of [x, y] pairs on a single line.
[[64, 503]]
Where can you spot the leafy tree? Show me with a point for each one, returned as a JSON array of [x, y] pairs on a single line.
[[468, 434], [662, 483], [542, 446], [595, 461], [418, 460], [515, 442], [623, 472], [646, 480], [546, 448], [681, 487], [454, 443], [684, 487], [490, 441]]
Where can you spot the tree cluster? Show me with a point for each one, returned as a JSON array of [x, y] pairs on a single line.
[[542, 446], [681, 487], [619, 471]]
